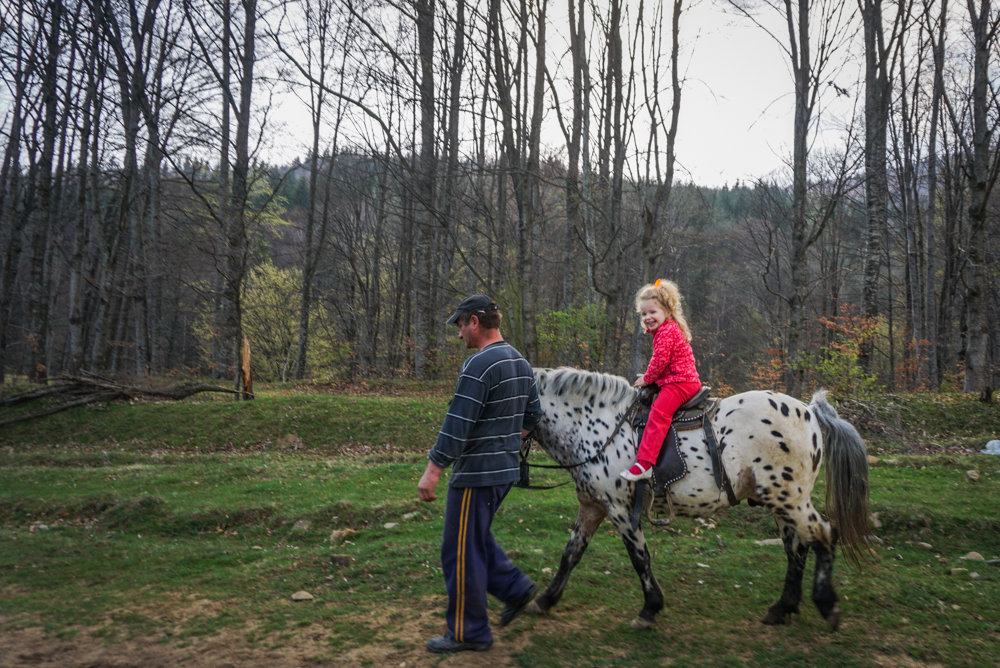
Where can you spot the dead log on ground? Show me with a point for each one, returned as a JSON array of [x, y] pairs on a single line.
[[90, 388]]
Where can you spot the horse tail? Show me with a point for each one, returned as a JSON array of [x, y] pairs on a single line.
[[846, 480]]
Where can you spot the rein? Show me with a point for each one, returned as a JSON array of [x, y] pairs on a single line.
[[526, 448]]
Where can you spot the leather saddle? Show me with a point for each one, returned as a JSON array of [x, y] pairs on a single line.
[[695, 413]]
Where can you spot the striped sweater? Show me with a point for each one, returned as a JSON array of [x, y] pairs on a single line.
[[494, 399]]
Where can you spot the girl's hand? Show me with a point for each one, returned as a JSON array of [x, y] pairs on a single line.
[[639, 382]]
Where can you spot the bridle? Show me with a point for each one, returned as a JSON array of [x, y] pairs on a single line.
[[526, 448]]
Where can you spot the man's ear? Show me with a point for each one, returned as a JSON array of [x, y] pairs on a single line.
[[474, 321]]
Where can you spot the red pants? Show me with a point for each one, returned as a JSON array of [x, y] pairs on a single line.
[[671, 397]]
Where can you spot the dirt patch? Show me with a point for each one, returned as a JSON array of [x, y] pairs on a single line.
[[902, 661], [398, 638]]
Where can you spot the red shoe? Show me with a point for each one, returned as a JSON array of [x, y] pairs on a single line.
[[637, 472]]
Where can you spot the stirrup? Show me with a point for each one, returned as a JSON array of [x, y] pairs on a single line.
[[643, 474]]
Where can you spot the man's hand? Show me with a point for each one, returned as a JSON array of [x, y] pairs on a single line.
[[429, 482], [639, 382]]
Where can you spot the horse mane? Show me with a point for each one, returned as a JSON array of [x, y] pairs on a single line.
[[578, 382]]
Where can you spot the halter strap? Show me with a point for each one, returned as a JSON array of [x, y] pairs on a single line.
[[526, 448]]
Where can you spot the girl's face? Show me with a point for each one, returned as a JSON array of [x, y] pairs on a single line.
[[653, 314]]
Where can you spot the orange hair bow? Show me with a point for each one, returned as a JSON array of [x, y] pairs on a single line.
[[657, 284]]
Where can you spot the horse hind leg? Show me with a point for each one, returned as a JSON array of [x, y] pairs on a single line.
[[823, 595], [638, 552], [797, 551], [587, 520]]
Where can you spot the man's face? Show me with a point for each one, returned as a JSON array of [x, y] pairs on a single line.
[[469, 332]]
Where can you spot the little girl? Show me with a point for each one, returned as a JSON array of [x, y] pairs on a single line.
[[671, 367]]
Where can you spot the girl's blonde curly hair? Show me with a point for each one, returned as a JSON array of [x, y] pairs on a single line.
[[669, 295]]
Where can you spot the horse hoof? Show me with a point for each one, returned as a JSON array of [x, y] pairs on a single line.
[[535, 609], [773, 618], [641, 624], [833, 619]]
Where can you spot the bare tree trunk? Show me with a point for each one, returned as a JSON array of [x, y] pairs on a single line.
[[222, 353], [38, 312], [424, 190], [11, 186], [982, 159], [84, 209], [877, 96], [931, 332]]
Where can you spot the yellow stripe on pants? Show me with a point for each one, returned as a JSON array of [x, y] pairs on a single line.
[[463, 523]]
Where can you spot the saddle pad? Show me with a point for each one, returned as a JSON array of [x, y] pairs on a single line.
[[670, 465]]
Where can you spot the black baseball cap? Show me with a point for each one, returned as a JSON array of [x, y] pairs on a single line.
[[473, 304]]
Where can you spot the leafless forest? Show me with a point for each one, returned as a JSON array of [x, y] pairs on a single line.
[[514, 147]]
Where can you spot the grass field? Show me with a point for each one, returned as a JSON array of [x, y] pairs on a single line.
[[156, 534]]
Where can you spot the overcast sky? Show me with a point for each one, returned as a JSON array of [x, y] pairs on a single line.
[[737, 106]]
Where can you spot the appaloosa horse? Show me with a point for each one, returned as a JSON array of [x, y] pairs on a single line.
[[773, 446]]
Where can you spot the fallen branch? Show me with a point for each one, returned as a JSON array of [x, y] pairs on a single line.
[[61, 407], [90, 388], [16, 399]]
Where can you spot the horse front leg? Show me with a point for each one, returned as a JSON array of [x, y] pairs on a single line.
[[796, 551], [638, 552], [587, 521]]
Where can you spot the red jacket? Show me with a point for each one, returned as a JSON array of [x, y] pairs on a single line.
[[673, 359]]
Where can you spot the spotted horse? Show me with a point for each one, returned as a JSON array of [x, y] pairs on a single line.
[[772, 446]]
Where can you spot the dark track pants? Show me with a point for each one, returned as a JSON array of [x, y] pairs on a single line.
[[473, 563]]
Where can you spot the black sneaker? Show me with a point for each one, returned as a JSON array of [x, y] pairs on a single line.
[[446, 644], [514, 608]]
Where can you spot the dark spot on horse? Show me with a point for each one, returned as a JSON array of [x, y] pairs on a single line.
[[699, 457], [800, 491], [776, 434], [730, 412], [600, 405], [812, 517], [774, 476], [787, 476], [784, 447], [750, 436], [770, 505], [776, 484], [605, 471], [591, 401], [741, 401], [808, 417], [618, 483], [815, 443], [693, 496], [773, 404], [768, 467], [766, 421], [798, 413], [788, 468], [702, 505], [756, 460], [784, 409]]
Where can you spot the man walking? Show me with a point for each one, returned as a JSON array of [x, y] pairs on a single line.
[[495, 405]]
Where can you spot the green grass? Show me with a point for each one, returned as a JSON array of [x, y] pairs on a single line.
[[317, 421], [170, 524], [175, 549]]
